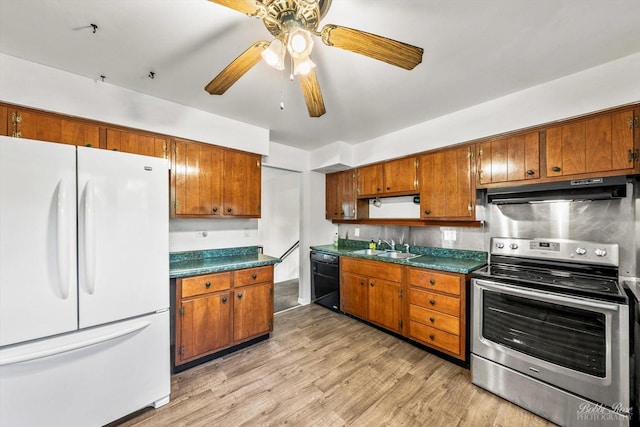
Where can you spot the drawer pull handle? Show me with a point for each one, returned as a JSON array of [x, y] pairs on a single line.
[[427, 212], [432, 282], [254, 276], [224, 300], [215, 209], [432, 302], [556, 169], [531, 172], [240, 295], [431, 319], [432, 337], [207, 285]]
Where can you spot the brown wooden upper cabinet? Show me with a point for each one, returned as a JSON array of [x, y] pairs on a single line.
[[597, 145], [340, 193], [209, 181], [4, 126], [23, 123], [391, 178], [515, 158], [446, 190], [137, 143]]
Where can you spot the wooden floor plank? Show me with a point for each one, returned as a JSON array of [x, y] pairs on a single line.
[[321, 368]]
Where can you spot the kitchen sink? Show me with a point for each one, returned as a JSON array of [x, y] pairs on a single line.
[[368, 252], [397, 255]]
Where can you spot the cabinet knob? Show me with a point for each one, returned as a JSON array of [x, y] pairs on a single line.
[[229, 209], [432, 282], [388, 188], [432, 337], [427, 212], [114, 149], [215, 209], [432, 302], [254, 276], [361, 282], [378, 189], [240, 295], [89, 145], [556, 169], [431, 319], [531, 172], [372, 284], [207, 285], [224, 300]]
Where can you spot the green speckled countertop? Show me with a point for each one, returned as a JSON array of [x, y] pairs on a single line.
[[452, 260], [192, 263]]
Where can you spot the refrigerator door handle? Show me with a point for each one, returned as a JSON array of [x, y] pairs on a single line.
[[65, 348], [62, 238], [89, 240]]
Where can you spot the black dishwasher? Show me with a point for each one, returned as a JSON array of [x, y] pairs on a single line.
[[325, 280]]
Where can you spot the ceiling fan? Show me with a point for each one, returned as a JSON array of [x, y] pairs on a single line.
[[292, 23]]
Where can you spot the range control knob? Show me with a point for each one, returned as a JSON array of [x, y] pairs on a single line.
[[581, 251], [513, 246], [499, 245], [600, 252]]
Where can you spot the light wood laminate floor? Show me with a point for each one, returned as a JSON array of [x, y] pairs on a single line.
[[321, 368]]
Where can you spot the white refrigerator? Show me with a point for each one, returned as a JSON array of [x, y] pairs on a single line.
[[84, 284]]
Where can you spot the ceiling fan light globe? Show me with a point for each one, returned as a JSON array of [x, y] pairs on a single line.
[[300, 43], [302, 66], [274, 55]]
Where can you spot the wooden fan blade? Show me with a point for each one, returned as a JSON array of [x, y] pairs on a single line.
[[245, 6], [390, 51], [312, 94], [236, 69]]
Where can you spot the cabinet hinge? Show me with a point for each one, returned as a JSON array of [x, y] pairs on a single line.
[[164, 149], [270, 323], [470, 207], [400, 293], [400, 324], [633, 155], [480, 152], [181, 350], [470, 153], [181, 312], [632, 122], [175, 205], [271, 291]]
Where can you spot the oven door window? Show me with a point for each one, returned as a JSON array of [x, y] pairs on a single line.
[[565, 336]]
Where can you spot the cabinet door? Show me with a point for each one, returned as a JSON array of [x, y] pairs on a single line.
[[385, 304], [401, 175], [253, 311], [4, 121], [370, 181], [242, 184], [445, 178], [197, 176], [205, 325], [333, 202], [131, 142], [354, 294], [515, 158], [599, 144], [52, 128], [347, 194]]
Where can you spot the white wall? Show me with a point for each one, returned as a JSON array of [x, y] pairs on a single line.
[[279, 226], [29, 84], [612, 84]]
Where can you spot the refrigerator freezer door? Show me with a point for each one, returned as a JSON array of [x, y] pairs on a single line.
[[123, 228], [38, 282], [87, 378]]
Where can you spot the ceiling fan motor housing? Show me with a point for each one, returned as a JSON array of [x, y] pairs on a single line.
[[283, 16]]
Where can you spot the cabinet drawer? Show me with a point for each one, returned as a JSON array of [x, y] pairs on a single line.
[[435, 281], [434, 301], [435, 337], [205, 284], [438, 320], [377, 269], [252, 275]]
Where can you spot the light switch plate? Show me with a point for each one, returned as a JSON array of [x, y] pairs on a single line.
[[449, 235], [356, 232]]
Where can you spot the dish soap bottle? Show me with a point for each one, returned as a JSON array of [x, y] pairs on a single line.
[[335, 240], [372, 244]]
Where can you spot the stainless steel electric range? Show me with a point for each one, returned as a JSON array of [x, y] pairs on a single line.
[[551, 330]]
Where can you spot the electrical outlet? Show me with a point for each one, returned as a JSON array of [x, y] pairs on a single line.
[[356, 232], [449, 235], [202, 234], [246, 232]]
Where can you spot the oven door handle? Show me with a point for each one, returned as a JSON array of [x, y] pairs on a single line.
[[545, 296]]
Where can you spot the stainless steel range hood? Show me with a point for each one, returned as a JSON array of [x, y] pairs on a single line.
[[582, 189]]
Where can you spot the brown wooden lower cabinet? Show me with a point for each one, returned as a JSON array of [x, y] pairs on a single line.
[[434, 309], [219, 310], [372, 290], [437, 310]]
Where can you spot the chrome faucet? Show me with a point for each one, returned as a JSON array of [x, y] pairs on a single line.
[[392, 245], [406, 247]]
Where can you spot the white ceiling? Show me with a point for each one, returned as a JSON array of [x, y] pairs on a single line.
[[474, 51]]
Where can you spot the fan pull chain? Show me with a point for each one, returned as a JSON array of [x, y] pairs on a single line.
[[291, 74], [282, 89]]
